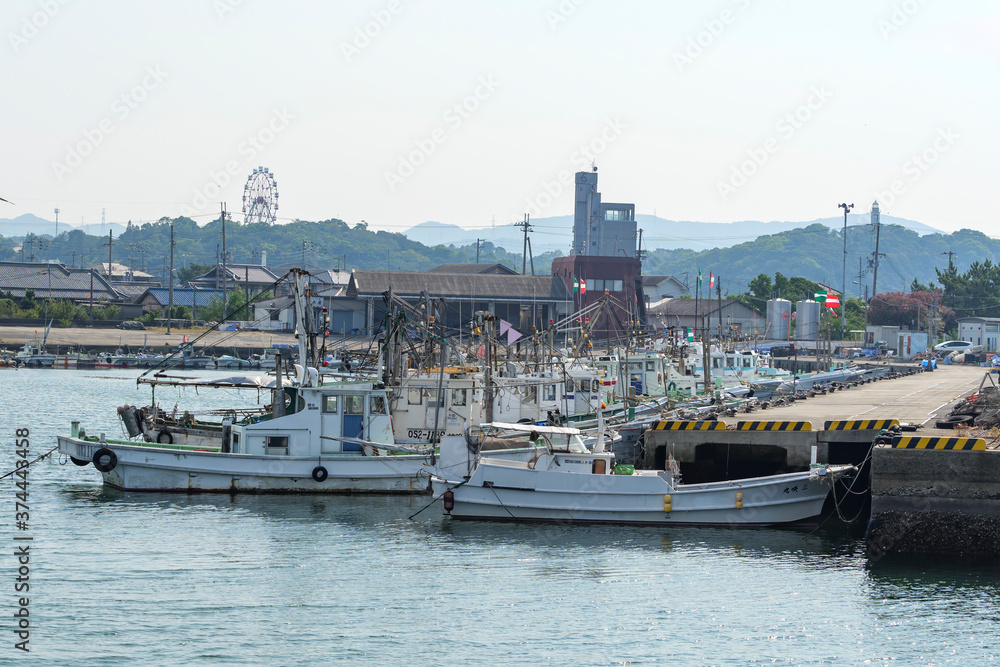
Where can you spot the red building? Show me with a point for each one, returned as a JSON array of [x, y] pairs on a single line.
[[618, 277]]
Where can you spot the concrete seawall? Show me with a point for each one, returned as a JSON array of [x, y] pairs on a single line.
[[934, 503]]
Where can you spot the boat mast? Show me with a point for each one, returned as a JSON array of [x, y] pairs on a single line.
[[302, 319]]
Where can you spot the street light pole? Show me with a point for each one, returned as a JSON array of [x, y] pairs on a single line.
[[843, 292]]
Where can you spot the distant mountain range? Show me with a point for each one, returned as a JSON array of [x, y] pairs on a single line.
[[29, 223], [556, 233]]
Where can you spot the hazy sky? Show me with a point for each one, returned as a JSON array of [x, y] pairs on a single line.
[[406, 111]]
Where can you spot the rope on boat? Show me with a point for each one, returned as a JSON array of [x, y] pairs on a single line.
[[30, 462], [850, 491]]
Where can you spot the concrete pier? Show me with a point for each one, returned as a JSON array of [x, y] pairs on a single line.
[[924, 501]]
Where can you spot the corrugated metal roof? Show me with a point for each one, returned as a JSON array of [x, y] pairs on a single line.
[[656, 280], [52, 280], [240, 273], [474, 268], [458, 285], [183, 296], [684, 307]]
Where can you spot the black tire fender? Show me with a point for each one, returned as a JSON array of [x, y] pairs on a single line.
[[100, 455], [79, 462], [320, 474], [165, 437]]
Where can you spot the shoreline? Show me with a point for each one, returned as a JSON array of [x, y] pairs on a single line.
[[13, 337]]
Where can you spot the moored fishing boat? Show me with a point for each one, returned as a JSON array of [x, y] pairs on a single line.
[[567, 483]]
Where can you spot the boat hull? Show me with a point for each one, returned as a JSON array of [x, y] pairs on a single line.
[[546, 496], [147, 468]]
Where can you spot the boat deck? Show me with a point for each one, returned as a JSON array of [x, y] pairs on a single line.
[[921, 399]]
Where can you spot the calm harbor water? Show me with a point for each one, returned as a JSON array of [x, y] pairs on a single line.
[[122, 579]]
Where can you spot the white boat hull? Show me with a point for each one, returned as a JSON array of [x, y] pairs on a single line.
[[148, 468], [507, 493]]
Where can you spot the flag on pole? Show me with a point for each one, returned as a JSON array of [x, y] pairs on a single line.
[[699, 278], [820, 296], [832, 301], [582, 286], [711, 280]]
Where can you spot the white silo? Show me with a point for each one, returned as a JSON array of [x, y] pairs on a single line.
[[779, 316], [807, 320]]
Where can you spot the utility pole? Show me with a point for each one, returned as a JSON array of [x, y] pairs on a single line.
[[479, 243], [843, 291], [878, 229], [950, 255], [934, 321], [718, 290], [170, 278], [225, 282], [524, 225], [57, 222], [109, 244], [73, 261]]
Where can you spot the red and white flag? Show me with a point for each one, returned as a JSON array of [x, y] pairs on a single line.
[[832, 301], [711, 280]]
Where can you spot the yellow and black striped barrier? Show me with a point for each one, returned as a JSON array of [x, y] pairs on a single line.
[[774, 426], [931, 442], [676, 425], [860, 424]]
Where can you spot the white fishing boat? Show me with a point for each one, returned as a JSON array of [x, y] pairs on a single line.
[[317, 439], [33, 354], [229, 361], [567, 483], [339, 441]]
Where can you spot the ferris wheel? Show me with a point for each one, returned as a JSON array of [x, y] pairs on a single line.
[[260, 197]]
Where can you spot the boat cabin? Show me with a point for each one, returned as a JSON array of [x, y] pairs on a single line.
[[332, 419]]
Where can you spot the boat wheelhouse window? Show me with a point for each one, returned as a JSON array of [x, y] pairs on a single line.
[[277, 445], [571, 385], [567, 443], [414, 397], [376, 405], [635, 365], [531, 394], [650, 365], [459, 397], [548, 392], [354, 404], [584, 385], [330, 404]]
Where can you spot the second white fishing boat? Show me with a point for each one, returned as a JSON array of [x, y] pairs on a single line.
[[569, 484]]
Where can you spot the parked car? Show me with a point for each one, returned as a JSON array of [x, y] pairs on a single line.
[[953, 346]]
